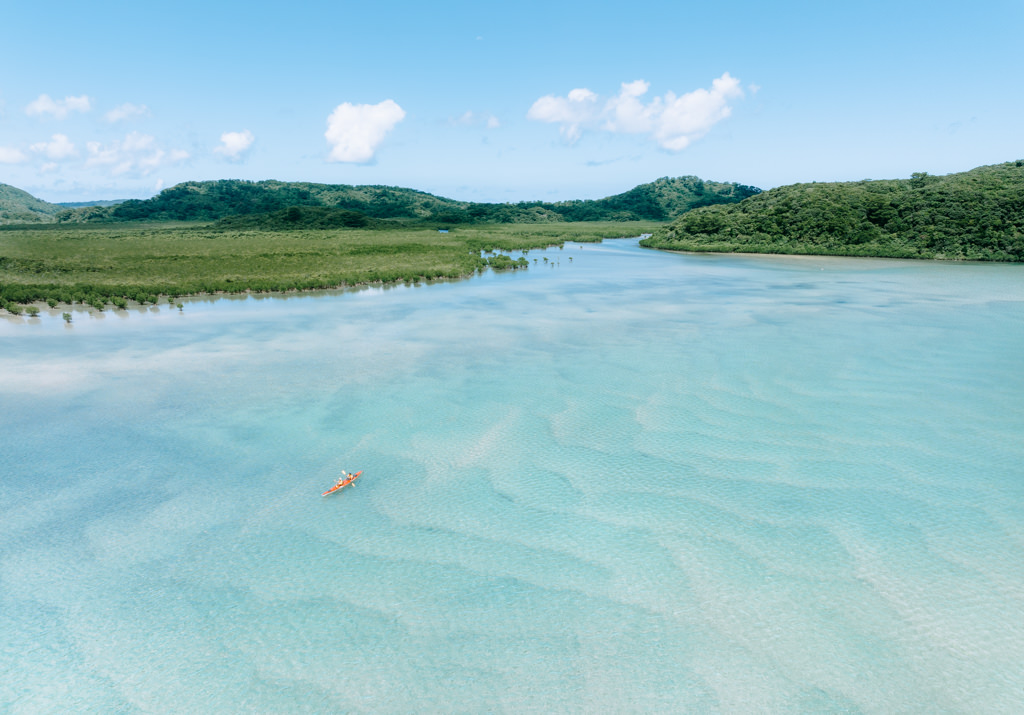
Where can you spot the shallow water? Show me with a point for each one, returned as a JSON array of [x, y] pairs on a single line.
[[632, 481]]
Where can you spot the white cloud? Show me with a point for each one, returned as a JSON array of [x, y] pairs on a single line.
[[100, 155], [354, 131], [572, 112], [234, 144], [10, 155], [59, 147], [127, 111], [59, 109], [673, 122], [136, 154], [627, 114], [692, 115]]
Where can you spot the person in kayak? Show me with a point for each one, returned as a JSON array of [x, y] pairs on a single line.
[[342, 478]]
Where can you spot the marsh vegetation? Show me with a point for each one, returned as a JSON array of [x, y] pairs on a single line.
[[110, 264]]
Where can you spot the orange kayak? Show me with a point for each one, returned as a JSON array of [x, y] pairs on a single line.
[[344, 483]]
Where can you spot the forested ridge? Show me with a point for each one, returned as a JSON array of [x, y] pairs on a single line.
[[17, 206], [972, 215], [661, 200]]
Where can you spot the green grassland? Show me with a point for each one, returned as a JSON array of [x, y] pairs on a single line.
[[102, 264]]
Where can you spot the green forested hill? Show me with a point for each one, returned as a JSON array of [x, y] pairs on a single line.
[[974, 215], [661, 200], [17, 206], [211, 200]]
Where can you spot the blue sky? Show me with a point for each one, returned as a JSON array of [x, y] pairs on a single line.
[[501, 102]]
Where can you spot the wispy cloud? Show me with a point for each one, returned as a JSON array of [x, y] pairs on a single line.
[[605, 162], [354, 131], [234, 145], [59, 147], [474, 119], [672, 121], [127, 111], [10, 155], [59, 109], [136, 154]]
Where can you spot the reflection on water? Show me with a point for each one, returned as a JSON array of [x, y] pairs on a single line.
[[630, 481]]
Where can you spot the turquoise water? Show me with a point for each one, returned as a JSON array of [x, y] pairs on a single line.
[[630, 481]]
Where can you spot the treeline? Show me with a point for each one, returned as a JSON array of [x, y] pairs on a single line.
[[973, 215], [661, 200], [212, 200], [299, 217], [15, 299]]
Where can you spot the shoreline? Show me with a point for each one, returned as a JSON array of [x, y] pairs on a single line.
[[129, 305], [781, 254], [109, 272], [184, 300], [78, 309], [162, 304]]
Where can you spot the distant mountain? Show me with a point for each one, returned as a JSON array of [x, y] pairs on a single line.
[[84, 204], [972, 215], [661, 200], [17, 206]]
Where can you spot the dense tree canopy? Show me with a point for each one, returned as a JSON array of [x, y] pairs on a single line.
[[298, 217], [974, 215], [661, 200]]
